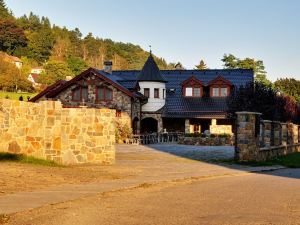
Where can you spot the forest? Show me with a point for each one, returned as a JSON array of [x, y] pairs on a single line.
[[63, 52]]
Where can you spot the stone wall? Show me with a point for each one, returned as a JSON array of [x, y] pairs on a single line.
[[66, 135], [258, 140], [206, 141], [130, 107]]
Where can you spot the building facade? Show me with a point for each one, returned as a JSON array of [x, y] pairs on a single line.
[[153, 100]]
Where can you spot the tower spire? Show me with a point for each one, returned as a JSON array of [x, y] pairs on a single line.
[[150, 49]]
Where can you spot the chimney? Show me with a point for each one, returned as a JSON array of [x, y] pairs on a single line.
[[108, 67]]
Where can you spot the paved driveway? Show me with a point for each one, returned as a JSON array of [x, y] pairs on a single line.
[[201, 153], [136, 166]]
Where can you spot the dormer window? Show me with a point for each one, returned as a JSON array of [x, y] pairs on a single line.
[[219, 91], [219, 87], [192, 88]]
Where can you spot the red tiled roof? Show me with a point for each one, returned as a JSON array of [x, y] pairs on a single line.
[[35, 77]]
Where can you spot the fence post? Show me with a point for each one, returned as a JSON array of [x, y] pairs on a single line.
[[247, 136], [268, 133]]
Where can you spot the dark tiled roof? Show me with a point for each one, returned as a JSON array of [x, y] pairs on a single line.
[[150, 71], [179, 106]]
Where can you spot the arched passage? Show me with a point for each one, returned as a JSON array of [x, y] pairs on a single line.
[[149, 125]]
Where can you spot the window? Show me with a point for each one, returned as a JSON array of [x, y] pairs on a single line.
[[197, 92], [104, 94], [80, 94], [223, 92], [156, 93], [189, 91], [219, 92], [215, 92], [193, 91], [164, 93], [147, 92]]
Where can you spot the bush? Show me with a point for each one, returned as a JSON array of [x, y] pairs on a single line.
[[208, 136], [258, 97], [122, 132], [195, 135]]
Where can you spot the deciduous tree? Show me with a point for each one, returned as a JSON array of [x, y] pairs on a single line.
[[54, 71], [289, 86], [232, 62], [11, 36]]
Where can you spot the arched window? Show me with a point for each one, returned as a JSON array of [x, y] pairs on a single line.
[[104, 94], [80, 94]]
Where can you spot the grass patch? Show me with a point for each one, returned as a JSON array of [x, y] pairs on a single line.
[[290, 161], [9, 157], [15, 96]]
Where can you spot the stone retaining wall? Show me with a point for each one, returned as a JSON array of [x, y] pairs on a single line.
[[206, 141], [258, 140], [66, 135]]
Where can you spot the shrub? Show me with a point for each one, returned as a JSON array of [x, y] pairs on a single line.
[[258, 97], [122, 131], [224, 135]]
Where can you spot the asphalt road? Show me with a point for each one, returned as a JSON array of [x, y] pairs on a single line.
[[246, 198]]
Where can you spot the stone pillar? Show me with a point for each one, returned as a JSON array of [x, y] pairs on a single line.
[[277, 133], [247, 136], [187, 126], [268, 127], [214, 122], [292, 133], [159, 124], [284, 133]]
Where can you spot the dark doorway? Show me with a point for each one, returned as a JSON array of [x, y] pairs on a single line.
[[148, 125], [135, 123], [174, 124]]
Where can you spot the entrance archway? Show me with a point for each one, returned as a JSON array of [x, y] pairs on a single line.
[[148, 125]]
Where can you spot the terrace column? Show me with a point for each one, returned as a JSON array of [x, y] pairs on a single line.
[[187, 126], [247, 136]]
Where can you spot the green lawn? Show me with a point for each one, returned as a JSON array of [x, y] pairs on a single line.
[[15, 96], [290, 161], [8, 157]]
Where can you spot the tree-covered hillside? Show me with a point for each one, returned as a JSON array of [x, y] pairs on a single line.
[[37, 39]]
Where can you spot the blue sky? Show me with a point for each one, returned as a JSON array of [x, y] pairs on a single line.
[[188, 30]]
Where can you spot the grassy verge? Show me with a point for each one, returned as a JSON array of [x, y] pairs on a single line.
[[15, 96], [8, 157], [290, 161]]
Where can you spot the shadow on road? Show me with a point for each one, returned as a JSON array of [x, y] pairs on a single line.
[[223, 156]]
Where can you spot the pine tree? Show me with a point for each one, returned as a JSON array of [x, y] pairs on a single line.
[[4, 12], [201, 66]]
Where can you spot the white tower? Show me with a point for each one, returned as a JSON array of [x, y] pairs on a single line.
[[152, 85]]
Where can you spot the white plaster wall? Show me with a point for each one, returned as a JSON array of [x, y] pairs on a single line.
[[153, 104]]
